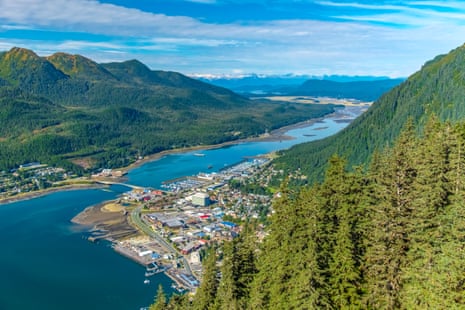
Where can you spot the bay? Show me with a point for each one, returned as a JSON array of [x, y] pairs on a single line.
[[47, 263], [173, 166]]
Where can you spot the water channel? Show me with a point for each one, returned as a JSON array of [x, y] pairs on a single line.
[[47, 263]]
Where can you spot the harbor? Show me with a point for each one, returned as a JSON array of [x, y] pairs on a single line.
[[105, 278]]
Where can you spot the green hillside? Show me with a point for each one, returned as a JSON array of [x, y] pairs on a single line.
[[438, 88], [388, 238], [69, 109]]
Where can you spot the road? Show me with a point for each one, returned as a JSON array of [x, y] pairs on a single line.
[[143, 226]]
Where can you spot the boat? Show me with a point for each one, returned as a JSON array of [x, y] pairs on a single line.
[[199, 154], [178, 288], [146, 281]]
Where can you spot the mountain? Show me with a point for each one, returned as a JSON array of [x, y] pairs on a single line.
[[78, 66], [386, 237], [254, 83], [366, 88], [438, 88], [68, 109], [361, 90], [23, 68]]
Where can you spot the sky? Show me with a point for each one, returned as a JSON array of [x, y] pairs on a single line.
[[239, 37]]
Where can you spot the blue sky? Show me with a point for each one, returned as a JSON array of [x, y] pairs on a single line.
[[234, 37]]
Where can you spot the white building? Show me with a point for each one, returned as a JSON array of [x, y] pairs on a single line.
[[201, 199]]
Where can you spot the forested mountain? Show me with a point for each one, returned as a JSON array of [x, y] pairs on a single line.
[[389, 235], [388, 238], [438, 88], [69, 109]]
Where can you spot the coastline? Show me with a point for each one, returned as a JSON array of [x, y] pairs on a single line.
[[104, 223], [274, 135], [47, 191]]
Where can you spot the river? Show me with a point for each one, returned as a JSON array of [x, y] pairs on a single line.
[[47, 263]]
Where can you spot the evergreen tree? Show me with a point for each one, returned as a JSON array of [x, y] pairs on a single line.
[[226, 297], [160, 301], [430, 196], [387, 235], [274, 268], [344, 264], [289, 275], [178, 302], [205, 296]]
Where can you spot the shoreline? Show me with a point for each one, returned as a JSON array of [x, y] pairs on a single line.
[[47, 191], [274, 135], [102, 226]]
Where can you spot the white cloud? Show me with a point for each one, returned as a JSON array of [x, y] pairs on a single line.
[[184, 44], [89, 16], [410, 13]]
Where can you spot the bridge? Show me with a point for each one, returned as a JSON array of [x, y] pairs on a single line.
[[105, 182]]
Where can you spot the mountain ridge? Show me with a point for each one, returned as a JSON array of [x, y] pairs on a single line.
[[69, 109], [382, 123], [364, 88]]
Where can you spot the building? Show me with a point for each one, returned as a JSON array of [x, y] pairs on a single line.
[[191, 246], [201, 199], [166, 220]]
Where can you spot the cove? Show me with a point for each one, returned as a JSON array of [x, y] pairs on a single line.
[[47, 263]]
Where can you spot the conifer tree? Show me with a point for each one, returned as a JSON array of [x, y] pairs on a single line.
[[178, 302], [273, 267], [289, 275], [339, 237], [226, 297], [430, 196], [391, 208], [309, 287], [160, 301], [205, 296]]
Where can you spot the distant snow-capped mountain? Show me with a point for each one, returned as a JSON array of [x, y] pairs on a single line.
[[260, 84]]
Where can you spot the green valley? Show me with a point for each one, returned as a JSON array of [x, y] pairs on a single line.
[[69, 110]]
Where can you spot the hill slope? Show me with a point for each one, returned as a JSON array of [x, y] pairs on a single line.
[[67, 108], [438, 88]]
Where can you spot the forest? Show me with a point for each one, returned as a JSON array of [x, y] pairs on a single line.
[[388, 235], [69, 111], [438, 88], [379, 223]]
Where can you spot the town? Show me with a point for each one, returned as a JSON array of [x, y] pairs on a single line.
[[191, 213], [171, 227], [32, 177]]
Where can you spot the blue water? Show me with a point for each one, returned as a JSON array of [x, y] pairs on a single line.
[[46, 262], [186, 164]]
